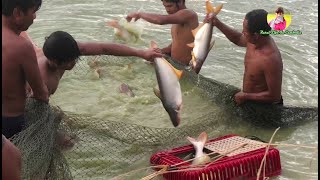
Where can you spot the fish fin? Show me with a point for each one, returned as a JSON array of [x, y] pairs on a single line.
[[191, 45], [194, 32], [193, 57], [211, 44], [176, 71], [153, 44], [203, 137], [209, 7], [156, 91], [113, 23], [192, 140], [218, 9]]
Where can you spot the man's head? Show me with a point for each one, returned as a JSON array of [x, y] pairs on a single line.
[[21, 12], [173, 6], [254, 22], [61, 49], [279, 11]]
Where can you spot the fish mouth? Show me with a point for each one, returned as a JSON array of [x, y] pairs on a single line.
[[175, 116]]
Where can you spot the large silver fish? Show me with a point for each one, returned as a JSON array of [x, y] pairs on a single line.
[[127, 31], [198, 144], [169, 86], [203, 41]]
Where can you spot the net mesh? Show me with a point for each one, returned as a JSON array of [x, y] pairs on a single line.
[[63, 145]]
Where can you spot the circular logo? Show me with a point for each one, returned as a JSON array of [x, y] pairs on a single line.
[[279, 18]]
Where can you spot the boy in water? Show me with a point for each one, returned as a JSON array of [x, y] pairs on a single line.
[[61, 51]]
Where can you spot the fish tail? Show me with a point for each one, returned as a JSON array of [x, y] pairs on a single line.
[[211, 9], [200, 141], [114, 24]]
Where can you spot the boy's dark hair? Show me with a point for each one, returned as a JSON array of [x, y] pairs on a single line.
[[176, 1], [24, 5], [280, 10], [257, 20], [61, 46]]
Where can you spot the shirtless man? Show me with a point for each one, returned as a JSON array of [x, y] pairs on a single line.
[[61, 51], [263, 63], [183, 20], [19, 64], [11, 160]]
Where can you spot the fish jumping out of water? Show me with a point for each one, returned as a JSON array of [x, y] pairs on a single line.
[[198, 144], [124, 88], [169, 86], [203, 40], [128, 31]]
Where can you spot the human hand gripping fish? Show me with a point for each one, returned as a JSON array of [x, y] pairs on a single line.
[[203, 41], [169, 86]]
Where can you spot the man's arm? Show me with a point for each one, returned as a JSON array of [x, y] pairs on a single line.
[[233, 35], [116, 50], [31, 70], [273, 75], [180, 17]]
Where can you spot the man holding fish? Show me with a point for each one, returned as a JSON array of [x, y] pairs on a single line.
[[263, 63], [61, 51], [183, 21]]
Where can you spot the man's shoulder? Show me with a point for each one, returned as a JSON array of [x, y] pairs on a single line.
[[188, 13]]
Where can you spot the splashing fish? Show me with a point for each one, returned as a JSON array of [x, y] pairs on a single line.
[[198, 144], [203, 41], [169, 87], [124, 88], [127, 31]]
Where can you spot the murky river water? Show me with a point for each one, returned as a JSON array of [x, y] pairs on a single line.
[[81, 92]]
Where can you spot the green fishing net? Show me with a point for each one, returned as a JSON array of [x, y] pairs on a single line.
[[103, 149]]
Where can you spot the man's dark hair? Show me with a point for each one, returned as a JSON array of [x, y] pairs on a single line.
[[280, 10], [61, 46], [257, 20], [176, 1], [24, 5]]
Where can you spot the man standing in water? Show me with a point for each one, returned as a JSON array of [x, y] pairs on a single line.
[[19, 64], [183, 20], [263, 63]]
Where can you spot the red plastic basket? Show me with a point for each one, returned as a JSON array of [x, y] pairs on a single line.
[[242, 165]]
